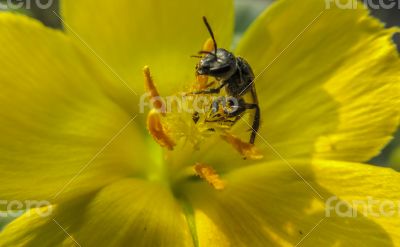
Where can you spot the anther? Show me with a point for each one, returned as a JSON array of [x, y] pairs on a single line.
[[208, 45], [155, 125], [154, 96], [210, 175], [247, 150], [158, 131]]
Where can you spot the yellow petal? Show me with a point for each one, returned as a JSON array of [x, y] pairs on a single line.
[[34, 228], [139, 212], [128, 212], [273, 204], [329, 83], [61, 135], [161, 34]]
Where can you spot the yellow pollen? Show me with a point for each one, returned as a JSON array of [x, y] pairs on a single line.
[[247, 150], [158, 130], [201, 82], [152, 90], [210, 175]]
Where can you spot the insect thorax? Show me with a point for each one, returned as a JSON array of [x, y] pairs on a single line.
[[240, 83]]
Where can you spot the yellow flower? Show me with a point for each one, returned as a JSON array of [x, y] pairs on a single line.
[[72, 134]]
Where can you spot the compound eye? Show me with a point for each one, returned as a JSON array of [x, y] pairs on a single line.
[[221, 70]]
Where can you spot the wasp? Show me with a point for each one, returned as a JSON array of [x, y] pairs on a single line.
[[236, 77]]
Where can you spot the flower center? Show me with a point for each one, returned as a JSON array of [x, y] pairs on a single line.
[[184, 120]]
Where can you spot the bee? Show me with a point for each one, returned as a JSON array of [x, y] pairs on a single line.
[[236, 77]]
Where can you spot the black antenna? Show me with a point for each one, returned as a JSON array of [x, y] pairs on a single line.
[[211, 34], [206, 52]]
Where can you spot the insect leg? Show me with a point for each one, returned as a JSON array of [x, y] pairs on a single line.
[[256, 121], [234, 106], [210, 84], [210, 91]]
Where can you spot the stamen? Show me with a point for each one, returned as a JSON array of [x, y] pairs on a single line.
[[158, 131], [210, 175], [208, 45], [154, 119], [150, 87], [249, 151]]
